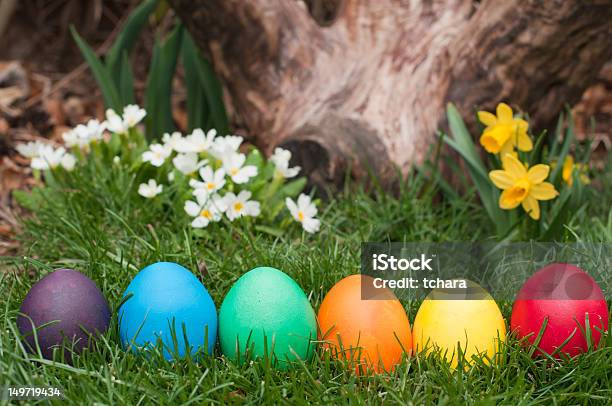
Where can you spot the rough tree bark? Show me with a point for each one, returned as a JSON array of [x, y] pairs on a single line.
[[369, 91]]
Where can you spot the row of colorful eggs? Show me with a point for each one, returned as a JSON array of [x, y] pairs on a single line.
[[267, 313]]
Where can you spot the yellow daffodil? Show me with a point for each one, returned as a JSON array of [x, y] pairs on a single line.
[[522, 185], [504, 132], [568, 169]]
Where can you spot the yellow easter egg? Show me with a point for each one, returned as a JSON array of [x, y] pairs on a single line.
[[447, 324]]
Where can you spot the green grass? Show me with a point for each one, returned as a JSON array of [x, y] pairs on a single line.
[[99, 226]]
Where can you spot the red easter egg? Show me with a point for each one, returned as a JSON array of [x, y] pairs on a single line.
[[564, 294]]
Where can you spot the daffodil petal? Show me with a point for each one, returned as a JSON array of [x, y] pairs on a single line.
[[513, 166], [532, 207], [524, 142], [506, 202], [504, 113], [501, 179], [543, 191], [487, 118], [568, 168], [508, 148], [538, 173], [522, 125]]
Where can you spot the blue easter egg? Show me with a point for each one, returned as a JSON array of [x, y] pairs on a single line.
[[165, 300]]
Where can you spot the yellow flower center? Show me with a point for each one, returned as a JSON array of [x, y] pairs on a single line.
[[210, 185], [233, 171], [206, 214], [300, 216], [238, 206]]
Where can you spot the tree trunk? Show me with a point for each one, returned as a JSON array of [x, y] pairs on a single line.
[[369, 91]]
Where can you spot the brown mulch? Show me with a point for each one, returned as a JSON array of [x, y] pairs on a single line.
[[46, 88]]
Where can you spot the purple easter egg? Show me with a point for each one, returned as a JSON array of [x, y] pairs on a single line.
[[66, 307]]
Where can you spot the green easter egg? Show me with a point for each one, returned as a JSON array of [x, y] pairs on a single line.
[[266, 312]]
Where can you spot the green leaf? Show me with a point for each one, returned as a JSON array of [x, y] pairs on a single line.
[[559, 214], [197, 106], [100, 72], [127, 37], [275, 232], [463, 144], [567, 142], [158, 96], [293, 188], [208, 81], [463, 140], [536, 153], [29, 200], [557, 135], [126, 81], [255, 158]]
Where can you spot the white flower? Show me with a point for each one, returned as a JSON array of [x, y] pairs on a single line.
[[172, 141], [48, 157], [116, 160], [114, 122], [30, 150], [171, 177], [281, 158], [233, 165], [212, 180], [68, 162], [132, 115], [197, 141], [150, 189], [239, 206], [156, 155], [84, 134], [204, 209], [225, 145], [187, 163], [71, 138], [304, 212]]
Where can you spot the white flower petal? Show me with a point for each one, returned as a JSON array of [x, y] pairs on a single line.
[[293, 209], [252, 208], [192, 208], [201, 196], [244, 195], [311, 225], [149, 189], [200, 222], [132, 115], [68, 162]]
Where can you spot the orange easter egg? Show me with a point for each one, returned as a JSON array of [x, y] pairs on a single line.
[[371, 334]]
